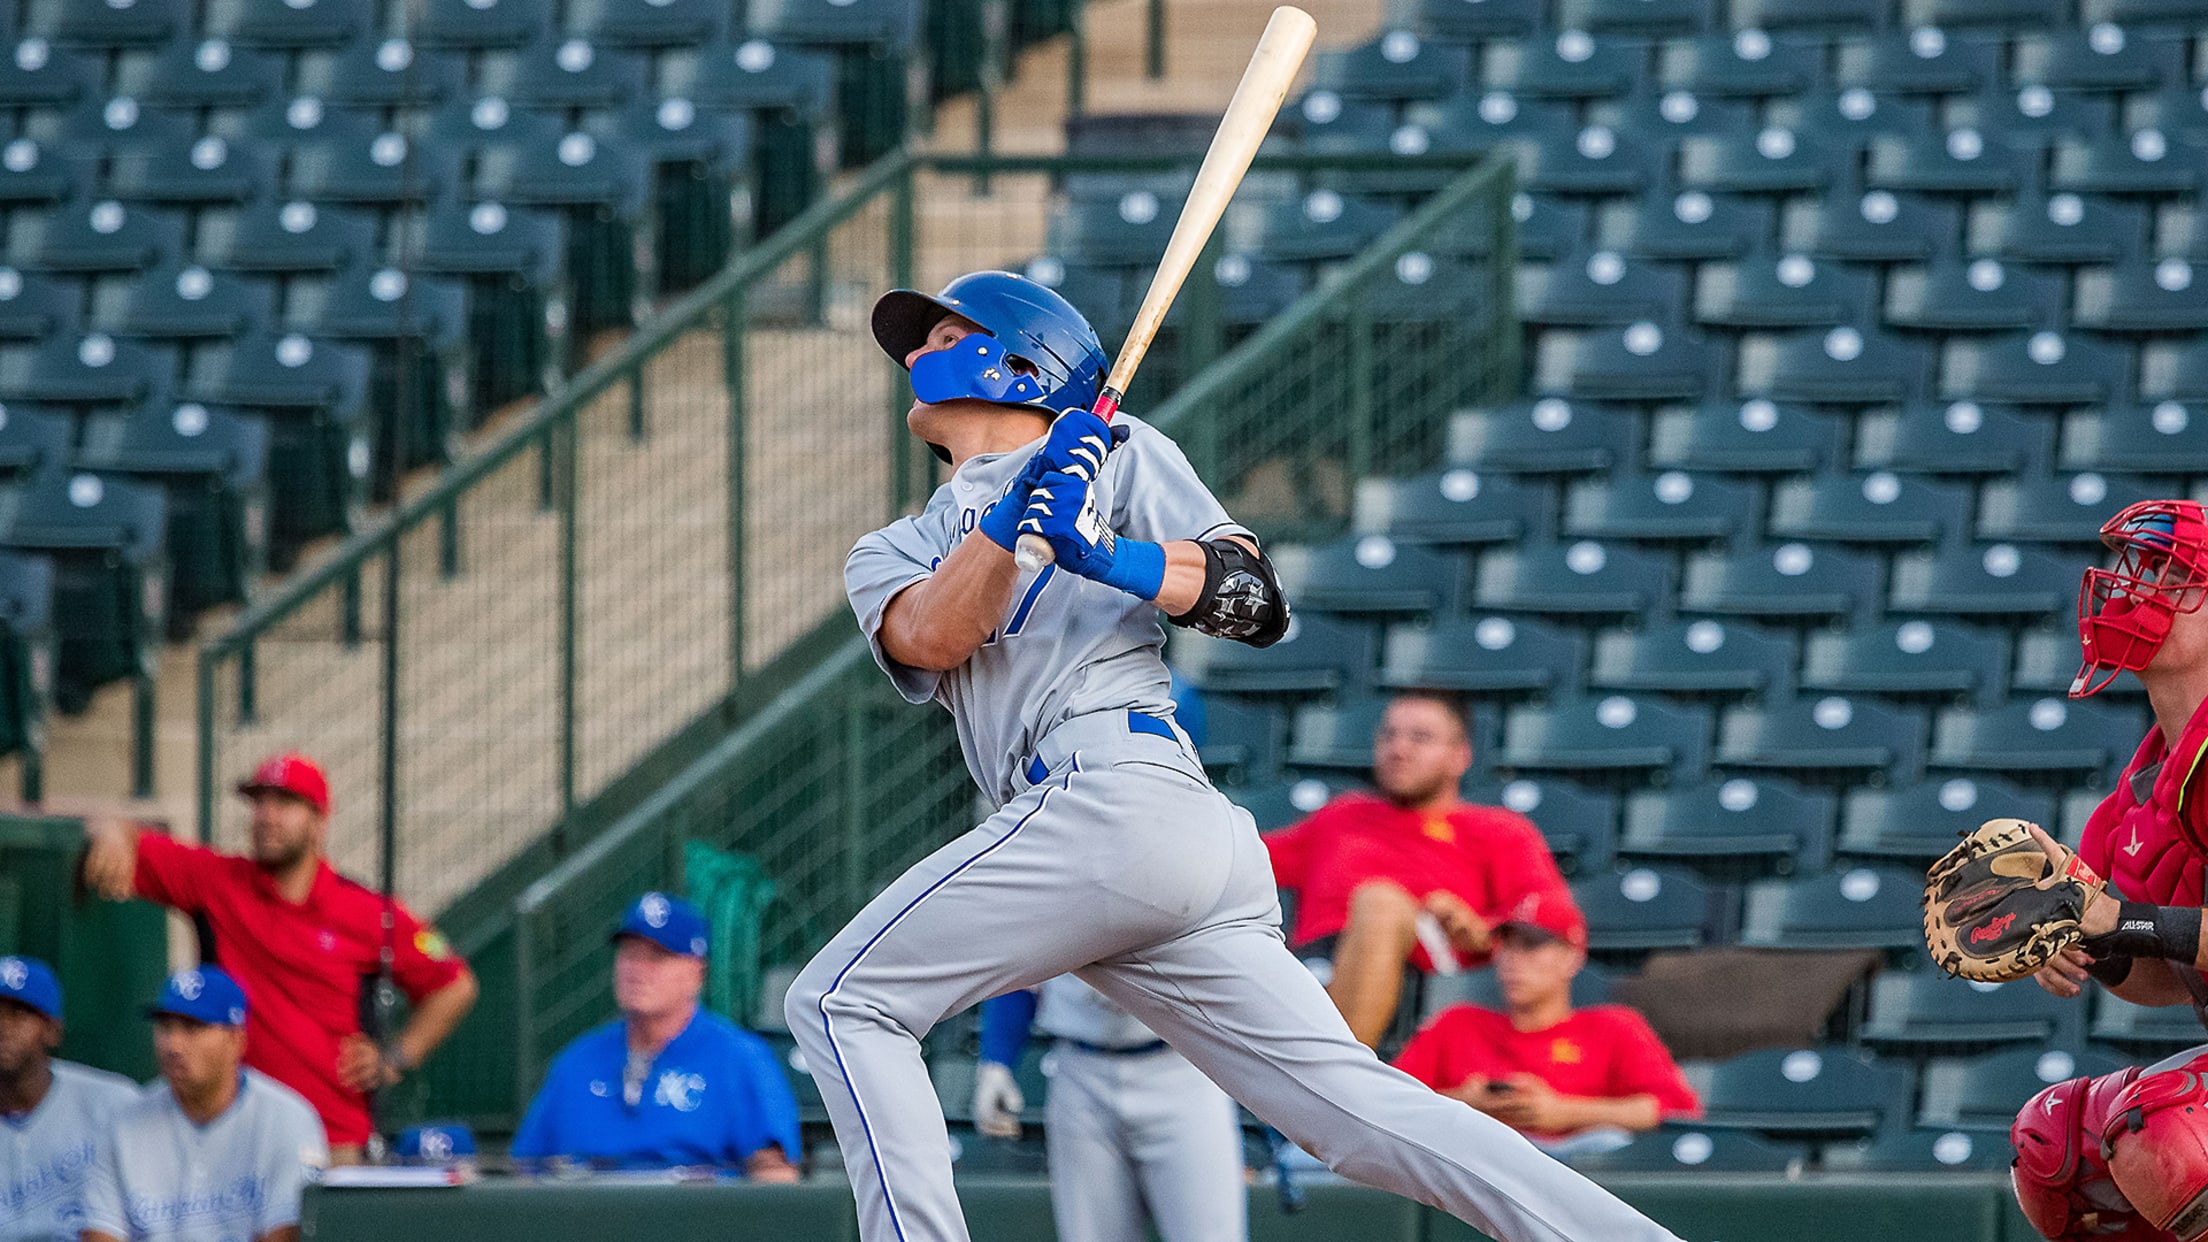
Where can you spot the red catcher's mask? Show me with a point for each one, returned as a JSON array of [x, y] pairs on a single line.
[[2161, 570]]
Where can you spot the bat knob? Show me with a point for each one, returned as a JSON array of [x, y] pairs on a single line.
[[1034, 554]]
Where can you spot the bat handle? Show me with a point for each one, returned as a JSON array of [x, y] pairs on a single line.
[[1034, 554]]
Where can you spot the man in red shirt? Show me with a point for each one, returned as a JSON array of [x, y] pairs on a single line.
[[1544, 1067], [1388, 879], [307, 944]]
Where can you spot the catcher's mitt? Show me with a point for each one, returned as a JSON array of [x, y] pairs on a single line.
[[1996, 907]]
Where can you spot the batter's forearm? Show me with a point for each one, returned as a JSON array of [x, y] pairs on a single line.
[[1184, 575], [939, 622]]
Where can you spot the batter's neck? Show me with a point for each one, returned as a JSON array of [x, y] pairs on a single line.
[[967, 434]]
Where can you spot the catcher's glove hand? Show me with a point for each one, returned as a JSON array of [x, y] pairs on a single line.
[[2003, 902]]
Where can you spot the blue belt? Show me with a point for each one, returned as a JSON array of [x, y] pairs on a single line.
[[1137, 722], [1130, 1050]]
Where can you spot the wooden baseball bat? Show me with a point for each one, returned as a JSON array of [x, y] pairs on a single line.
[[1249, 116]]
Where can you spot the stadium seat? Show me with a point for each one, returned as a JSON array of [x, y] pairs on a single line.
[[1686, 1148], [874, 43], [2141, 1031], [33, 175], [2145, 162], [568, 73], [1833, 1091], [2019, 14], [1459, 22], [2176, 109], [1580, 824], [1574, 65], [2179, 372], [1922, 61], [2060, 508], [206, 172], [1638, 17], [1594, 161], [2035, 116], [1693, 657], [1790, 580], [1983, 580], [1773, 161], [140, 23], [1672, 506], [1547, 435], [1757, 436], [390, 73], [204, 73], [2038, 368], [1962, 161], [513, 264], [1984, 1093], [105, 539], [2047, 662], [385, 171], [1328, 124], [1841, 366], [1911, 657], [2063, 228], [27, 655], [1368, 573], [2139, 295], [653, 23], [282, 123], [212, 465], [1767, 824], [1601, 288], [1922, 821], [1318, 654], [1858, 114], [1766, 291], [1929, 1008], [1578, 578], [1694, 224], [1456, 506], [1880, 226], [1744, 63], [415, 330], [468, 123], [2039, 735], [1645, 909], [1335, 736], [284, 237], [33, 305], [1395, 66], [1420, 289], [1845, 908], [1490, 655], [34, 437], [1832, 733], [1281, 803], [1549, 226], [1643, 362], [474, 25], [1799, 14], [1980, 295], [1243, 739], [275, 370], [1959, 437], [1126, 227], [1880, 507], [603, 191], [290, 26], [2167, 436], [37, 75], [1615, 733], [174, 302], [1323, 224], [97, 128], [1916, 1151], [87, 368]]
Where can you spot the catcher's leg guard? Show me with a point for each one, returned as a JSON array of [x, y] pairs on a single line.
[[2155, 1143], [2060, 1177]]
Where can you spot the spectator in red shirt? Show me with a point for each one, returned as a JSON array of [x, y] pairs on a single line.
[[1542, 1066], [307, 943], [1388, 879]]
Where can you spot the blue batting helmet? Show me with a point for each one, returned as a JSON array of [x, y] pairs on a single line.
[[1026, 322]]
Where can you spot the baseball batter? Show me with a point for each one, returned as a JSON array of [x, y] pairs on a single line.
[[1135, 1134], [1109, 855]]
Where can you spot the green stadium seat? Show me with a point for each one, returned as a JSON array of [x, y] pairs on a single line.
[[97, 128], [1594, 161], [1395, 65], [2107, 57], [1642, 362], [1839, 366], [569, 73], [604, 193], [2060, 509], [2038, 735], [1651, 18], [289, 25], [2178, 109], [386, 171], [1789, 580], [1827, 734], [1325, 123], [1919, 1151], [1685, 1148], [27, 655], [105, 539], [2046, 367], [87, 368], [1920, 822], [387, 73], [1881, 226], [1612, 734], [1475, 121], [2064, 228], [2036, 117], [468, 123], [1323, 224], [1459, 22], [34, 305], [272, 370], [1960, 437], [2168, 435], [1673, 506], [1922, 61], [1693, 224], [1422, 288], [35, 74], [1766, 824], [34, 175], [1253, 292], [1978, 295], [2179, 372], [2141, 1031], [874, 43], [1908, 657], [1281, 803], [1580, 824], [2142, 295], [1644, 909], [1548, 435], [1858, 114], [1243, 739], [34, 437], [1575, 65], [1367, 574], [1880, 507], [1845, 908], [1548, 226], [206, 172], [1772, 161], [1318, 654], [1781, 291], [141, 23], [1963, 161], [654, 23], [1834, 1091], [1576, 579], [1693, 657], [1757, 436], [1800, 14], [415, 329], [1488, 655], [282, 123], [1119, 229], [1601, 288], [1984, 1093], [1455, 506], [284, 237], [1999, 579], [204, 73], [2144, 162], [1931, 1009], [1333, 736], [512, 263], [178, 302], [212, 465], [2142, 11], [2019, 14], [474, 25], [703, 183], [1743, 63]]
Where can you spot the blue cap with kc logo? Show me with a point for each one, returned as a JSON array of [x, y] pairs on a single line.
[[203, 994], [31, 983], [669, 922], [435, 1143]]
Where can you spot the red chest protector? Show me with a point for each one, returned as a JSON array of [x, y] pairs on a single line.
[[2152, 851]]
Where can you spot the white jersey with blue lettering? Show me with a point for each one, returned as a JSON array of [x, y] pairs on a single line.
[[159, 1176], [1068, 646], [46, 1153]]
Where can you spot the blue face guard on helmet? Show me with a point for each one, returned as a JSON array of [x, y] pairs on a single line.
[[1038, 350]]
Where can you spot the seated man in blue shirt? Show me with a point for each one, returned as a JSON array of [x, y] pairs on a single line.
[[667, 1084]]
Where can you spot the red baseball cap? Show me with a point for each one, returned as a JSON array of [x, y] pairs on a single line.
[[1553, 914], [291, 773]]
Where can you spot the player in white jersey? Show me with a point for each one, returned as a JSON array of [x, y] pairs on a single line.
[[213, 1152], [1110, 855], [1136, 1135], [52, 1112]]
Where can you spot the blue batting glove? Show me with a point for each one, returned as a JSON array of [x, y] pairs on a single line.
[[1062, 510], [1078, 443], [1001, 521]]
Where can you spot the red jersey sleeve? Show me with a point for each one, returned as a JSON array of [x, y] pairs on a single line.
[[175, 873], [1641, 1065], [1291, 848], [421, 961]]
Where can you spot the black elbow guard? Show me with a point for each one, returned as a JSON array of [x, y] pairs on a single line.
[[1241, 599]]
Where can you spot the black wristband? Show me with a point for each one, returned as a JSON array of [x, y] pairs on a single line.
[[2168, 932], [2111, 970]]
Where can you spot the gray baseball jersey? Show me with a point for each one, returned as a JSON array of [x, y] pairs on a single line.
[[158, 1176], [1068, 646], [1110, 855], [46, 1153]]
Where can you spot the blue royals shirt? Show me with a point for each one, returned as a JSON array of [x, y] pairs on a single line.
[[713, 1096]]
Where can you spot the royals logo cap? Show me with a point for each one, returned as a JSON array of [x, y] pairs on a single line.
[[204, 994], [669, 922], [30, 983]]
